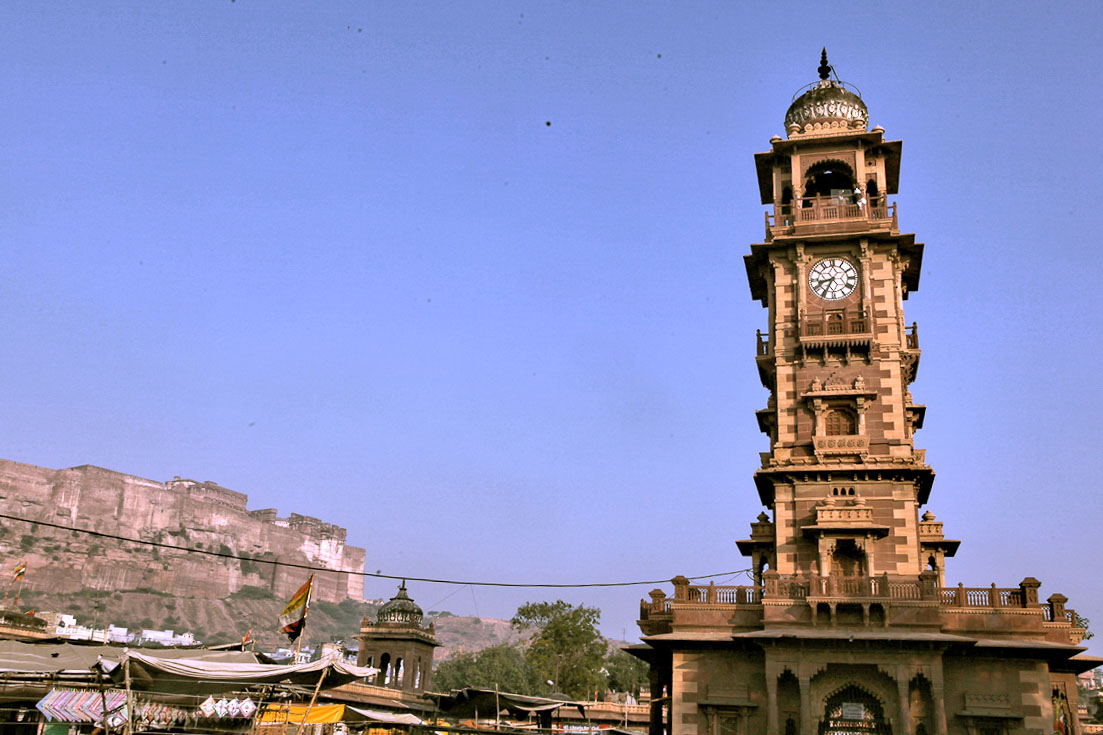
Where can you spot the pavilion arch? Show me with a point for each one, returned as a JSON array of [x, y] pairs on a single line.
[[835, 715], [826, 177], [835, 678], [921, 704]]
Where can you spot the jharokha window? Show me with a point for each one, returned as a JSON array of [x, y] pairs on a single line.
[[840, 422]]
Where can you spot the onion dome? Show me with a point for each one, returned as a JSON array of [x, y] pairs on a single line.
[[826, 106], [400, 609]]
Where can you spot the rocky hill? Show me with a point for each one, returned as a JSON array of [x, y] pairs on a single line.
[[457, 634], [252, 608]]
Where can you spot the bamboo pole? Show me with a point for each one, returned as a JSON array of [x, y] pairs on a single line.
[[103, 703], [313, 699], [129, 703]]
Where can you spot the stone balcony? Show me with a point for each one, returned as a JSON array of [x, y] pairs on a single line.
[[850, 329], [951, 609], [830, 215]]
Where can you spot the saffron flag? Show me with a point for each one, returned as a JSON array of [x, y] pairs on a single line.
[[293, 616], [20, 570]]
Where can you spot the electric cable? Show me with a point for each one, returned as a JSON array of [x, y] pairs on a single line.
[[377, 575]]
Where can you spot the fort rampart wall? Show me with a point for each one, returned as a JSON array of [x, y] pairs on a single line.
[[179, 512]]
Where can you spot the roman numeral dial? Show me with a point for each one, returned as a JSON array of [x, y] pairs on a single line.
[[833, 278]]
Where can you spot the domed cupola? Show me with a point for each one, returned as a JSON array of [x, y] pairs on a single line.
[[825, 107], [400, 609]]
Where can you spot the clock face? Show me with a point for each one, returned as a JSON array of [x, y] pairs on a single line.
[[833, 278]]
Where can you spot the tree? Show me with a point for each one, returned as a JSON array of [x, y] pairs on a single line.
[[1096, 709], [1082, 622], [625, 673], [566, 649], [501, 667]]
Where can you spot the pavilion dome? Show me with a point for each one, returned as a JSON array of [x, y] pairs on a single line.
[[826, 106], [400, 609]]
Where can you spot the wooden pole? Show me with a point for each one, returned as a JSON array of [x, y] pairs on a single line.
[[257, 715], [103, 703], [313, 699], [129, 704]]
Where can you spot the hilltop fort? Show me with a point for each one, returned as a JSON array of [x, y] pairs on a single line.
[[179, 512]]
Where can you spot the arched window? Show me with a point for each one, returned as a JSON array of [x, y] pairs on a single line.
[[847, 560], [383, 678], [829, 178], [840, 422]]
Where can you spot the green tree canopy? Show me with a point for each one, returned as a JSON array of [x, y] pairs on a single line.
[[625, 673], [501, 667], [566, 648]]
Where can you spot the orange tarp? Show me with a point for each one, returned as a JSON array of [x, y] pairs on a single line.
[[319, 714]]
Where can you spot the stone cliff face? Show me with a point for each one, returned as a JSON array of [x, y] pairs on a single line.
[[200, 515]]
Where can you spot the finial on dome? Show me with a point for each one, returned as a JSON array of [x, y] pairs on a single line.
[[825, 68], [828, 106]]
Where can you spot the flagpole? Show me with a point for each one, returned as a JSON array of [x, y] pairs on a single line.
[[20, 570], [20, 573], [306, 612]]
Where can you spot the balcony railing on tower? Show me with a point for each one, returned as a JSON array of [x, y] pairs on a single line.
[[823, 213]]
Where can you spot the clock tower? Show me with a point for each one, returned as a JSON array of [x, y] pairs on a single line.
[[837, 356], [848, 624]]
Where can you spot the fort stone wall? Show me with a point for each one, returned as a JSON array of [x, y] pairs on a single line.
[[180, 512]]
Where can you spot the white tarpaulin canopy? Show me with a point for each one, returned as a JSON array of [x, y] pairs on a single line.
[[393, 717], [193, 674]]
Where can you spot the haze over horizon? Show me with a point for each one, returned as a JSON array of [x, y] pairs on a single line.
[[467, 278]]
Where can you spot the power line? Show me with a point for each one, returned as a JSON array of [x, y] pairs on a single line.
[[377, 575]]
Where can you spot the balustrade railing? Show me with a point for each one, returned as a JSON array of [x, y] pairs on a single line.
[[1063, 616], [723, 594], [762, 343], [994, 597], [833, 324], [922, 588], [911, 336], [830, 209]]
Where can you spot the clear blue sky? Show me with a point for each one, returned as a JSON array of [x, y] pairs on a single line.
[[466, 277]]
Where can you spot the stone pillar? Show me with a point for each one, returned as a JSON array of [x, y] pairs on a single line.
[[655, 725], [807, 722], [825, 549], [903, 701], [938, 694], [1057, 606], [866, 546], [681, 588], [1029, 590], [771, 701], [929, 585]]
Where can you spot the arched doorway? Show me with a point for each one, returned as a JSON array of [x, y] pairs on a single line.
[[853, 711]]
